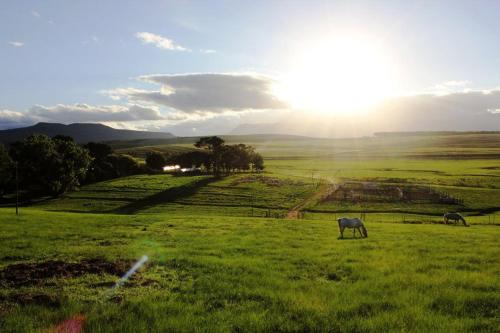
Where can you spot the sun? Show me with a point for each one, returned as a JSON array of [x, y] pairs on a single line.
[[338, 76]]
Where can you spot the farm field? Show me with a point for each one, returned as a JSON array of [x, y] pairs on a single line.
[[234, 195], [222, 257], [229, 273]]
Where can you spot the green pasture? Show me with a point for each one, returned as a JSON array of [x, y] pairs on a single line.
[[252, 274], [222, 258], [238, 195]]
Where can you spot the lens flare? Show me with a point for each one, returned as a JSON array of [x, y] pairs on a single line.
[[76, 323]]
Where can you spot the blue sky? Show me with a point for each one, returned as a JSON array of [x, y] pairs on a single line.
[[70, 53]]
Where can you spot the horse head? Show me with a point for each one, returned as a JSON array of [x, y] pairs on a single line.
[[364, 231]]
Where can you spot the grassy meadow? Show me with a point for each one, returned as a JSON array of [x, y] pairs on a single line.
[[223, 259]]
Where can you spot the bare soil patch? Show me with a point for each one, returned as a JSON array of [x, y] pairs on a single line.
[[379, 192], [24, 274], [28, 299]]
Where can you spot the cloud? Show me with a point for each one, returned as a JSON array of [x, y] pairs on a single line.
[[95, 113], [9, 119], [461, 111], [449, 87], [206, 94], [159, 41], [470, 110], [63, 113], [16, 44], [35, 13], [208, 51]]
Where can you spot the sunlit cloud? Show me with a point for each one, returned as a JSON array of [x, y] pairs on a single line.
[[205, 93], [449, 87], [159, 41]]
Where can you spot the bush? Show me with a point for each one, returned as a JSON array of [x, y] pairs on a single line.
[[155, 161], [123, 165], [6, 166]]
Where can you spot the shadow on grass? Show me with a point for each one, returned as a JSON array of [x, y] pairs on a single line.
[[166, 196], [350, 238]]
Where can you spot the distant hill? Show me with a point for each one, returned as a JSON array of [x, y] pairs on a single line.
[[80, 132], [190, 140], [259, 128], [432, 133]]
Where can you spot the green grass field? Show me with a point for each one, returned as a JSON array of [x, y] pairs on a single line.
[[227, 273], [222, 258]]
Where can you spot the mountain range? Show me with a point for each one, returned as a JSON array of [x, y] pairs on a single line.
[[80, 132]]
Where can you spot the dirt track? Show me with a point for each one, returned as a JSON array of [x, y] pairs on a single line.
[[323, 190]]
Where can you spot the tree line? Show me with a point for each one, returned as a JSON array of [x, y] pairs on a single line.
[[54, 166], [41, 165], [214, 156]]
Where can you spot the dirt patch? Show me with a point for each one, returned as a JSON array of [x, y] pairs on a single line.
[[35, 273], [377, 192], [29, 299]]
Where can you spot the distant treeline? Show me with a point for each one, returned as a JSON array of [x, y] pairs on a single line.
[[40, 165], [214, 156], [432, 133]]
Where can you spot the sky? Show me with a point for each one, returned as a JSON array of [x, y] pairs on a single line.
[[210, 67]]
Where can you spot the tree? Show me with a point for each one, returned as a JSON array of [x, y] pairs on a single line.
[[98, 151], [50, 166], [195, 158], [72, 163], [229, 158], [214, 145], [257, 162], [6, 166], [155, 161], [123, 165], [100, 167]]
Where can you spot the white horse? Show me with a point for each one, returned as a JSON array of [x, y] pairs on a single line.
[[454, 217], [354, 224]]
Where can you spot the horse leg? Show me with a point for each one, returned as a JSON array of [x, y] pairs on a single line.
[[341, 232], [354, 232]]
